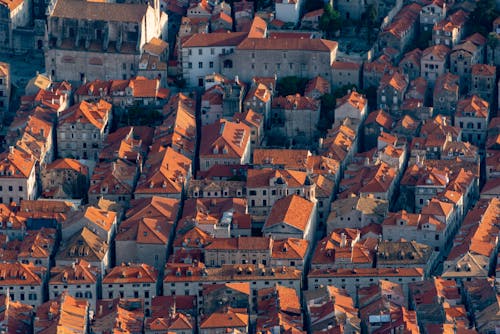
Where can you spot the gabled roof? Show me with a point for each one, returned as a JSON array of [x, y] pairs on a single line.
[[15, 164], [84, 112], [145, 231], [81, 272], [473, 105], [231, 318], [292, 210], [288, 43], [131, 273], [354, 99], [380, 117], [63, 312], [224, 139], [214, 39], [438, 52], [164, 172], [86, 245], [68, 164]]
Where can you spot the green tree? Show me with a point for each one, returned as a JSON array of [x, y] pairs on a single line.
[[330, 22], [482, 17], [327, 113], [291, 85]]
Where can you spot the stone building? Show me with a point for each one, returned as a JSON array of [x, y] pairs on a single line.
[[4, 89], [82, 130], [472, 117], [99, 40], [296, 116], [13, 14], [462, 57], [446, 94], [283, 56], [483, 78]]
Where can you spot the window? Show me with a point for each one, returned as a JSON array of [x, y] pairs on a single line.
[[10, 188], [211, 64], [20, 188], [189, 52], [212, 51], [200, 64], [190, 65], [252, 193], [200, 52]]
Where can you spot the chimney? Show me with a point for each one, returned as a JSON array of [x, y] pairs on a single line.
[[343, 240], [100, 310], [11, 149]]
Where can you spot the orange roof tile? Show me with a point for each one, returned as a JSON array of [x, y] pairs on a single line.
[[224, 139], [68, 164], [475, 106], [131, 273], [292, 210], [94, 113]]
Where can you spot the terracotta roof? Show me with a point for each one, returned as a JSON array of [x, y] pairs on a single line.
[[257, 178], [11, 4], [214, 39], [258, 28], [353, 98], [86, 245], [155, 46], [396, 80], [285, 158], [142, 87], [368, 272], [319, 84], [68, 164], [226, 319], [20, 274], [477, 39], [15, 164], [224, 139], [240, 243], [380, 117], [79, 273], [145, 231], [345, 66], [292, 210], [94, 113], [100, 11], [295, 102], [250, 118], [165, 172], [484, 70], [131, 273], [63, 312], [260, 92], [287, 44], [290, 248], [439, 52], [473, 105]]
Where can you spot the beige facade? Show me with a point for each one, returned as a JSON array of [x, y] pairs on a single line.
[[80, 137], [17, 184], [90, 40], [265, 57]]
